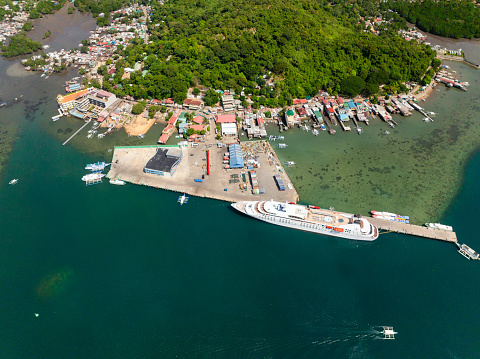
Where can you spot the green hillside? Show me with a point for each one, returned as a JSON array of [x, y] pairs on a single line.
[[307, 45]]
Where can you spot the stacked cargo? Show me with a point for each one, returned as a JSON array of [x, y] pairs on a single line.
[[254, 181], [281, 186]]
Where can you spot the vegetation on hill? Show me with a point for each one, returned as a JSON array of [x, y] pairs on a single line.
[[44, 7], [454, 18], [20, 45], [97, 7], [303, 46]]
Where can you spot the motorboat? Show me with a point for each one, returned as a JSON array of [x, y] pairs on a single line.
[[13, 181], [290, 163]]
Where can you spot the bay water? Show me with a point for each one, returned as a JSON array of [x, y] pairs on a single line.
[[125, 272]]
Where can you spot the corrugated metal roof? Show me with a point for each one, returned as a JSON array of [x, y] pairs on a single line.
[[236, 159]]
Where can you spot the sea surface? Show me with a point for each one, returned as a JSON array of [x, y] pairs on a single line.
[[125, 272]]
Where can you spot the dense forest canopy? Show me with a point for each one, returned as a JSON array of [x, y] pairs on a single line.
[[307, 45], [98, 7], [455, 18]]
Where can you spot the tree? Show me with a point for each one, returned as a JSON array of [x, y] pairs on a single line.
[[152, 110], [70, 10], [84, 49], [352, 85], [47, 34], [211, 98], [27, 26], [196, 91], [137, 109]]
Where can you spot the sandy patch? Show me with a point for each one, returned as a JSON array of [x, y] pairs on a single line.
[[425, 93], [17, 70], [139, 126]]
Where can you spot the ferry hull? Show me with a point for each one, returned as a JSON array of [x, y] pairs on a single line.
[[303, 225]]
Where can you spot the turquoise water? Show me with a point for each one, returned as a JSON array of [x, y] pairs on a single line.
[[125, 272]]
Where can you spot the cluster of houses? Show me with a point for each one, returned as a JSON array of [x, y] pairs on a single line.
[[12, 24], [101, 45], [415, 35], [445, 51], [412, 34], [372, 24]]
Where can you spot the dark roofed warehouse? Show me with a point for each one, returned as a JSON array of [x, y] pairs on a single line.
[[164, 162]]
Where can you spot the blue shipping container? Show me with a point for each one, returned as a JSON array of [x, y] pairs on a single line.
[[199, 180]]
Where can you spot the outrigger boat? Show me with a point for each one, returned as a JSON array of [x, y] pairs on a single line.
[[388, 333], [182, 199]]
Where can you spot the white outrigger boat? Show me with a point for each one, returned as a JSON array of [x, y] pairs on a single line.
[[290, 163], [182, 199], [388, 333], [99, 166], [93, 178]]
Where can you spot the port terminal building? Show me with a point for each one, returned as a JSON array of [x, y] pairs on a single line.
[[165, 161]]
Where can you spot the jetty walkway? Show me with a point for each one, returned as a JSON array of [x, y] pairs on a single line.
[[414, 230], [457, 58], [81, 128]]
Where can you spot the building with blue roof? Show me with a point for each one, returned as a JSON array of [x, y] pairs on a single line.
[[343, 117], [351, 104], [236, 158]]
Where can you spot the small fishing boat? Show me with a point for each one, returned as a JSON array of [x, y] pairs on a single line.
[[13, 181], [290, 163], [282, 145]]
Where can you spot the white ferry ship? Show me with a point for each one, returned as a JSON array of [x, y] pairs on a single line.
[[310, 219]]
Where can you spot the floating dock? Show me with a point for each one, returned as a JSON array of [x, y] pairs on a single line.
[[414, 230]]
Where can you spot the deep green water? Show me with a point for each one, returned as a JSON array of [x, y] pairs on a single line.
[[124, 272]]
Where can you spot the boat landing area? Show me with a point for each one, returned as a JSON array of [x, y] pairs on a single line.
[[190, 176], [414, 230]]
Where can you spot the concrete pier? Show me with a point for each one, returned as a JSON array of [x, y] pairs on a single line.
[[128, 164], [414, 230]]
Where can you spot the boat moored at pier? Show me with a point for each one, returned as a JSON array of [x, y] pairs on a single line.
[[310, 219]]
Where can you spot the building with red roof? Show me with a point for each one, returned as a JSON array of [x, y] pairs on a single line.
[[163, 138], [299, 101], [231, 118], [198, 119], [196, 127], [192, 104]]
